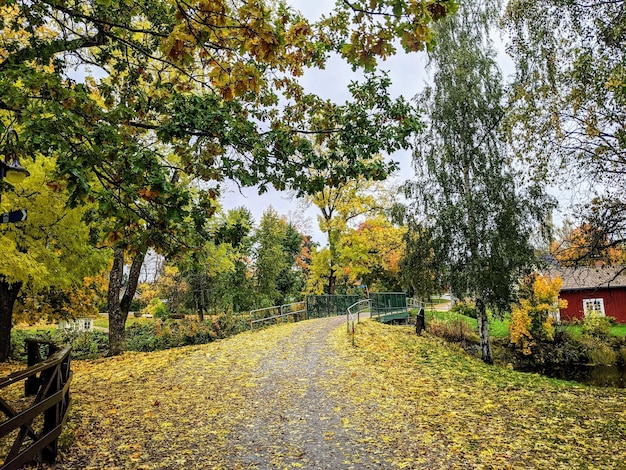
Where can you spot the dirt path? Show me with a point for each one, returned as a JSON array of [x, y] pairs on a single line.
[[269, 399], [295, 421]]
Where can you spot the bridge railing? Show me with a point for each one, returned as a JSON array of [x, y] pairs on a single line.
[[277, 314], [35, 428]]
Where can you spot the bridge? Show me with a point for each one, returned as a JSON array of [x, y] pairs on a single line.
[[386, 307]]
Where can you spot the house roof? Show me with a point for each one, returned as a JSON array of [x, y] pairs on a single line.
[[584, 277]]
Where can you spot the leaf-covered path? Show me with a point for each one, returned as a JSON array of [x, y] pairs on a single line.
[[300, 396], [261, 400], [294, 420]]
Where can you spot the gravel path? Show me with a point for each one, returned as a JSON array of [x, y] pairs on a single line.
[[295, 422]]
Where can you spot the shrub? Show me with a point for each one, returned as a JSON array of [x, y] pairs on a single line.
[[596, 325], [157, 309], [141, 337], [169, 334], [563, 350], [18, 341], [457, 331], [85, 344], [465, 307]]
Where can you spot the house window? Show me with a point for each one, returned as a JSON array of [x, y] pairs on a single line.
[[594, 305]]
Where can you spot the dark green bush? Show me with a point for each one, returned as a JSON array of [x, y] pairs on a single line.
[[85, 345], [564, 350], [140, 336], [18, 340]]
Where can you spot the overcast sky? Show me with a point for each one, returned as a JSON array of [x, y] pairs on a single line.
[[407, 73]]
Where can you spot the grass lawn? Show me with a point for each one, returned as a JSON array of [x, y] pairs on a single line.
[[103, 321], [618, 330]]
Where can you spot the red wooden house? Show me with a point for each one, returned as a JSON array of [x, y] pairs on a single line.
[[599, 289]]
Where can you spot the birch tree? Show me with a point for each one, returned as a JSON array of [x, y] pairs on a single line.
[[480, 215]]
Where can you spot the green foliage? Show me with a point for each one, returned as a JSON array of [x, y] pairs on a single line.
[[419, 271], [279, 279], [85, 345], [464, 307], [597, 326], [175, 333], [157, 309]]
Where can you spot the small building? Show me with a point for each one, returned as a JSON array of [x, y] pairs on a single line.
[[592, 289], [79, 324]]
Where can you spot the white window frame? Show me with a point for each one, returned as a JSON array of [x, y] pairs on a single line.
[[596, 305]]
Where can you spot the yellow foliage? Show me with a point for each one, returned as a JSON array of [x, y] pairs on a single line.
[[408, 401], [519, 329], [533, 317]]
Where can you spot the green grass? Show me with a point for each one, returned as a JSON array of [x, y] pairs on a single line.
[[498, 328], [618, 330], [103, 321]]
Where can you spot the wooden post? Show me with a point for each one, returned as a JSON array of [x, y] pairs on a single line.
[[420, 321], [52, 416]]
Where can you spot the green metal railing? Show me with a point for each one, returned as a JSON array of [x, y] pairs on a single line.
[[278, 314], [353, 315]]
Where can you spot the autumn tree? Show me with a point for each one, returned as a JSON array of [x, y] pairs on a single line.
[[49, 305], [341, 204], [370, 255], [52, 249], [479, 214], [533, 316], [585, 245], [192, 89], [569, 103]]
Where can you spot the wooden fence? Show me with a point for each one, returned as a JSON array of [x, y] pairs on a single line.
[[35, 427]]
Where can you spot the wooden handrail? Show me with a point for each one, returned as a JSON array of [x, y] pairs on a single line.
[[52, 390], [14, 377]]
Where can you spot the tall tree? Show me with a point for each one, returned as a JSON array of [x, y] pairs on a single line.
[[342, 204], [278, 245], [568, 108], [419, 271], [370, 254], [479, 214]]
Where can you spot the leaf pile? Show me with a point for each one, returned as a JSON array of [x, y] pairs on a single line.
[[301, 396], [439, 408]]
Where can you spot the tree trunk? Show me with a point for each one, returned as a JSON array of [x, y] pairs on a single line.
[[120, 305], [483, 331], [117, 324], [8, 295], [332, 280]]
